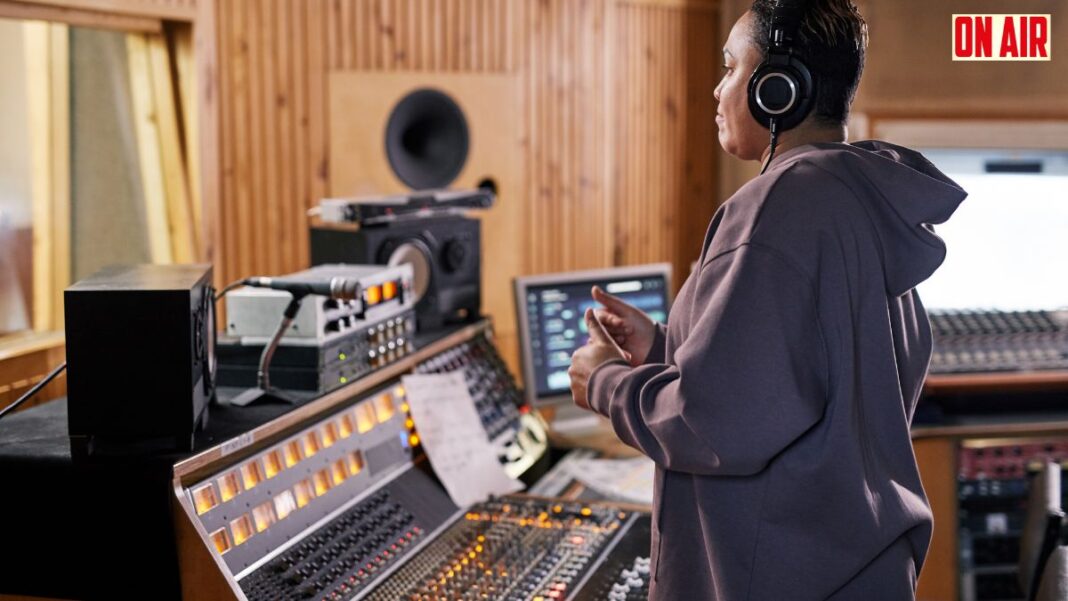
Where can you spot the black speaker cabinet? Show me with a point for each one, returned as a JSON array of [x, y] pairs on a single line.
[[444, 252], [140, 358]]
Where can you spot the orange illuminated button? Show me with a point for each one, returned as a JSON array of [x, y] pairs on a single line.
[[241, 529], [292, 453], [221, 540], [373, 295], [204, 498], [389, 290]]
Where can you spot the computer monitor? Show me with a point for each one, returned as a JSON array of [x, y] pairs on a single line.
[[550, 308]]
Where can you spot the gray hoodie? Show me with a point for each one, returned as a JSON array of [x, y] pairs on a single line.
[[776, 404]]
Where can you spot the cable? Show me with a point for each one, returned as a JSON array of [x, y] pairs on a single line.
[[774, 142], [262, 377], [32, 391], [229, 287]]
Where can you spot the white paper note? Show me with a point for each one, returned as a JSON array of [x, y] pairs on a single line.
[[453, 438], [629, 480]]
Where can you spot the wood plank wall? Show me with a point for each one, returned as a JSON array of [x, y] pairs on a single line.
[[563, 67], [619, 126], [178, 10], [666, 144]]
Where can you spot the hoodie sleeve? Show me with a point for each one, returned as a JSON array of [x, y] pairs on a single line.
[[659, 349], [748, 380]]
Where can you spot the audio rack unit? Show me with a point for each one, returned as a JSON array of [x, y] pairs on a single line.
[[992, 490], [385, 292], [323, 367]]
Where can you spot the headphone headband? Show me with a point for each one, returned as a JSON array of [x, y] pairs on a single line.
[[785, 23], [781, 89]]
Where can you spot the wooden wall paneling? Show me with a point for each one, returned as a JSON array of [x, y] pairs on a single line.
[[225, 239], [259, 203], [298, 136], [206, 159], [236, 222], [665, 150], [59, 159], [178, 10], [319, 105], [921, 132], [566, 141], [48, 86], [29, 11], [910, 72], [283, 163], [698, 190]]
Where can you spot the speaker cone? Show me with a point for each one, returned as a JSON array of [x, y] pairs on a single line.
[[412, 251], [427, 139]]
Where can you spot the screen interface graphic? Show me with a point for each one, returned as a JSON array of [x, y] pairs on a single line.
[[557, 328]]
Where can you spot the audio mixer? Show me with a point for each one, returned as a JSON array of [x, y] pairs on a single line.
[[512, 548], [998, 341], [337, 501]]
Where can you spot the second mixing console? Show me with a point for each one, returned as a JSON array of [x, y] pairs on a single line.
[[514, 548]]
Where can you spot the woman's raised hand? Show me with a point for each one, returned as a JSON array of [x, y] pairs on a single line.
[[631, 328]]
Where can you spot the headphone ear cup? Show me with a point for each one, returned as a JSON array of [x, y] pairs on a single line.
[[783, 91]]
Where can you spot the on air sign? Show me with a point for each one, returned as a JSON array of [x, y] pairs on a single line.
[[1001, 37]]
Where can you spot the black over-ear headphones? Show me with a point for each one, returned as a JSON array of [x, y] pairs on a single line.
[[781, 89]]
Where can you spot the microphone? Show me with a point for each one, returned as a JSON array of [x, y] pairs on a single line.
[[336, 287]]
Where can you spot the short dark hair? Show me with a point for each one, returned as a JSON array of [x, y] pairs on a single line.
[[832, 40]]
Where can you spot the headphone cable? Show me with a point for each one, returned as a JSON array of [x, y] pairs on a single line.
[[774, 142]]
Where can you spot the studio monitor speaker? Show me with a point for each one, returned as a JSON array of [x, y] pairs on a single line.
[[392, 133]]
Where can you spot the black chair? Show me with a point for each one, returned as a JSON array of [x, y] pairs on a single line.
[[1054, 583], [1041, 529]]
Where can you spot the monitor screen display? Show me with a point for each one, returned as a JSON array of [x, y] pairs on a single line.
[[555, 327]]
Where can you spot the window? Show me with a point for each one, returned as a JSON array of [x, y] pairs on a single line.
[[1006, 243]]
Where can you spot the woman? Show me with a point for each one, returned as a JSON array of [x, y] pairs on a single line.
[[776, 403]]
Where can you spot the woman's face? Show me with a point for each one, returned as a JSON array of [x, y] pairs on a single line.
[[739, 133]]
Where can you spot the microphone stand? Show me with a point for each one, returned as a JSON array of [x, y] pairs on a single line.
[[263, 390]]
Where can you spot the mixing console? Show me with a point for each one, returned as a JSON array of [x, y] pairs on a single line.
[[341, 504], [995, 341], [513, 548]]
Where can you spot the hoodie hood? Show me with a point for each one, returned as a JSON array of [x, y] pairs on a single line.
[[904, 194]]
